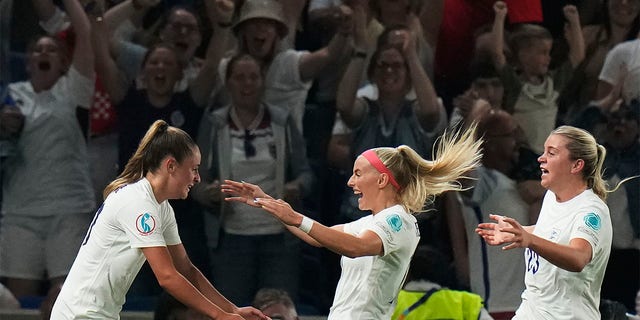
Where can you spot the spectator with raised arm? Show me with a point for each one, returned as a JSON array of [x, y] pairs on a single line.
[[161, 71], [260, 29], [620, 23], [391, 119], [47, 191], [158, 98], [531, 90], [180, 27]]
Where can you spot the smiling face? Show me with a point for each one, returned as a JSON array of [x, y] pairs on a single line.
[[46, 61], [364, 182], [259, 36], [185, 175], [390, 72], [245, 82], [183, 32], [161, 71]]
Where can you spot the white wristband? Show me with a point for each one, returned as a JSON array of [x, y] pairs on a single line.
[[306, 224]]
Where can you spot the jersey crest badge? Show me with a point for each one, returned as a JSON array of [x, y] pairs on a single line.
[[394, 222], [593, 221], [145, 223]]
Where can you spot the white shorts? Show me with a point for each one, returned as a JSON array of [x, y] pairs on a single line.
[[37, 248]]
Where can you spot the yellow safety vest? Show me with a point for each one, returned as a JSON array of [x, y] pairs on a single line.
[[441, 304]]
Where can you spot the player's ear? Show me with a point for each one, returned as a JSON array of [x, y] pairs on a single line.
[[577, 166], [170, 164]]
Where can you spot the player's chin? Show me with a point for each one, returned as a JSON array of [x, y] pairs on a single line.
[[183, 195]]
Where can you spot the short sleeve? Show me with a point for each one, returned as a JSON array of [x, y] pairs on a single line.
[[76, 88], [287, 70], [388, 225], [355, 227], [613, 64], [142, 224], [590, 226]]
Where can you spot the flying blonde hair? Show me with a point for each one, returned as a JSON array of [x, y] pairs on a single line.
[[457, 153]]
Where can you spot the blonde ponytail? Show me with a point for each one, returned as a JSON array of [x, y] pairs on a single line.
[[421, 180]]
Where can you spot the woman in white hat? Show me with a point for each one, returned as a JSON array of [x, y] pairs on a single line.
[[260, 29]]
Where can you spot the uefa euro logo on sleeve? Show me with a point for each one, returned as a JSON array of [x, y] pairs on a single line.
[[145, 223]]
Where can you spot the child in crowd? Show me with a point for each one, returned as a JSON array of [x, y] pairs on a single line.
[[531, 90]]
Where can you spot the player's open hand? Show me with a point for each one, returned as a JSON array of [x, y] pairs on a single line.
[[242, 192], [281, 210], [492, 232]]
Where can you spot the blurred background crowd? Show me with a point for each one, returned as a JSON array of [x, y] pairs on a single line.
[[285, 94]]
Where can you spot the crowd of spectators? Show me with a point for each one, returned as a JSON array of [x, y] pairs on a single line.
[[286, 94]]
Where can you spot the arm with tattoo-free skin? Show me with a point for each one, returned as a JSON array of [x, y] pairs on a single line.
[[352, 110], [333, 238], [199, 281], [313, 63], [220, 13], [574, 36], [126, 10], [497, 33], [572, 257], [165, 261], [427, 106], [115, 83]]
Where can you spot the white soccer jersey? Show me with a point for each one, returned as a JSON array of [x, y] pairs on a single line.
[[555, 293], [368, 286], [110, 256]]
